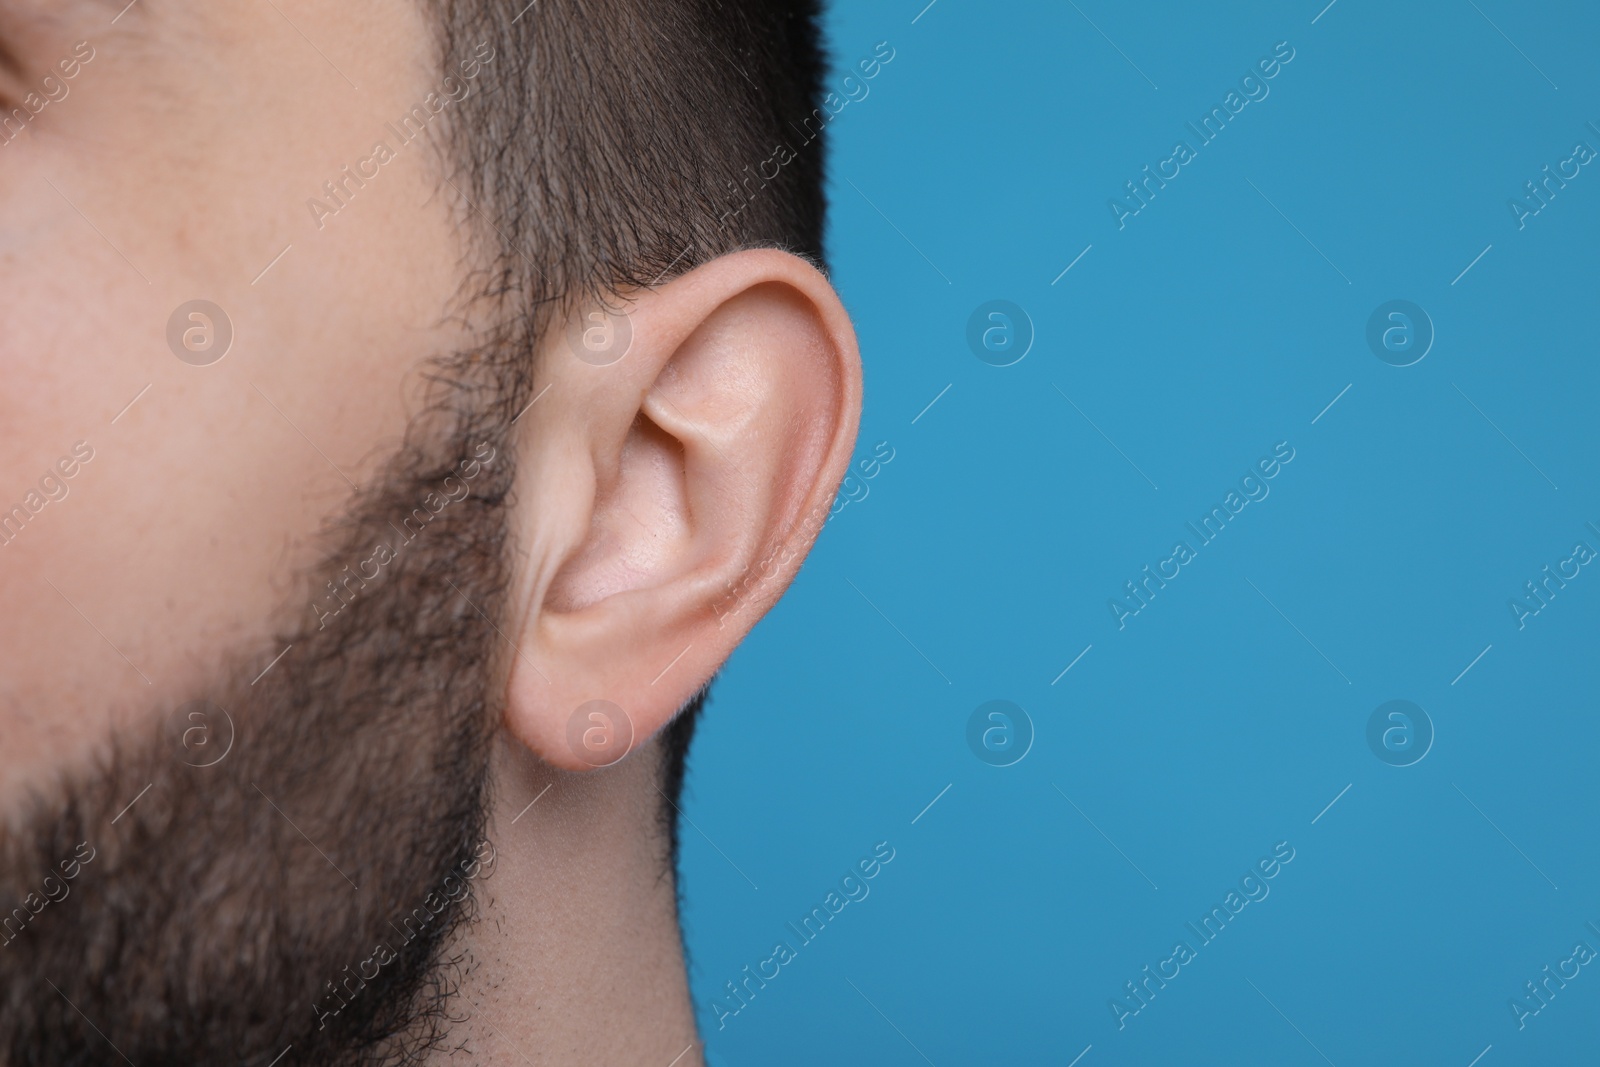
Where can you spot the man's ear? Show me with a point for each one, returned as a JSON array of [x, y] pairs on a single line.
[[682, 454]]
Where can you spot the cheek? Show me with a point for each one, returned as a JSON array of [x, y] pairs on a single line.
[[63, 385], [207, 472]]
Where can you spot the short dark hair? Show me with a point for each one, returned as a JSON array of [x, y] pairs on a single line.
[[613, 144]]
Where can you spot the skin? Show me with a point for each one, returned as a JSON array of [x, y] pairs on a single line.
[[201, 494], [177, 167]]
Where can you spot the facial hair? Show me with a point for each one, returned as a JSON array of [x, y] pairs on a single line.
[[234, 911]]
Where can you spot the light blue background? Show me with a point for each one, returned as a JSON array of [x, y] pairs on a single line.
[[1211, 727]]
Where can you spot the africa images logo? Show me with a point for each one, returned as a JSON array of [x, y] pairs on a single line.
[[852, 887], [1253, 487], [1253, 85], [1138, 994]]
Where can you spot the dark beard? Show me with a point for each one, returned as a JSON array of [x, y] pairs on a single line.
[[206, 927]]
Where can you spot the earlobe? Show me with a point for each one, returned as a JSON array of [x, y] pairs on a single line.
[[669, 496]]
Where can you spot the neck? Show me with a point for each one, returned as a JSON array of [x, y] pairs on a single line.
[[576, 957]]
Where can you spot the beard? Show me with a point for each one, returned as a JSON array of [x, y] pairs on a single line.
[[304, 845]]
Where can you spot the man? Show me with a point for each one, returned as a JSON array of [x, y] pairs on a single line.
[[408, 407]]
